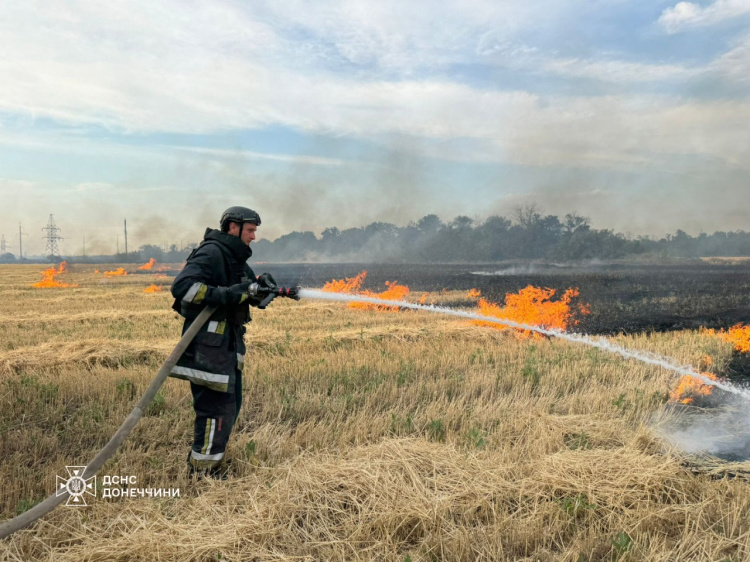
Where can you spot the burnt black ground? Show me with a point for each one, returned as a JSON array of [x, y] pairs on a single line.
[[623, 298]]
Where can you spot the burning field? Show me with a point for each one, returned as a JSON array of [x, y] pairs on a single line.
[[388, 433]]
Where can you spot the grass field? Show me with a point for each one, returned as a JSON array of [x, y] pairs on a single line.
[[363, 436]]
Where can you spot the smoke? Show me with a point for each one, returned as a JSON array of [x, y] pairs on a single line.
[[654, 202], [397, 183], [389, 185], [722, 432], [515, 270], [152, 229], [96, 246]]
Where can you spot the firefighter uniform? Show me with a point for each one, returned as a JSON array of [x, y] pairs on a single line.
[[216, 274]]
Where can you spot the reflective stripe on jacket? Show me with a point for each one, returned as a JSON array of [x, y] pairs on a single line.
[[218, 348]]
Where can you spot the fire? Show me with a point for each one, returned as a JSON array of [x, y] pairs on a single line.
[[739, 336], [153, 289], [147, 266], [48, 277], [352, 285], [706, 362], [394, 292], [423, 298], [116, 273], [533, 306], [688, 388], [347, 285], [474, 293], [150, 266], [96, 271]]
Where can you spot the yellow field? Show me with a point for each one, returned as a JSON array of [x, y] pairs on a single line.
[[726, 260], [363, 436]]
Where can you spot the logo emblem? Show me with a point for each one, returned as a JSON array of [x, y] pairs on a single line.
[[76, 485]]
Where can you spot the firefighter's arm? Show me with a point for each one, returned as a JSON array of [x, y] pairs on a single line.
[[199, 292], [196, 284]]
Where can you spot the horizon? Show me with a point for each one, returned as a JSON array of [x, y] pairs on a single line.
[[186, 245]]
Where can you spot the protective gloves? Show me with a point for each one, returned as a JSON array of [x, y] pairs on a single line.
[[237, 293]]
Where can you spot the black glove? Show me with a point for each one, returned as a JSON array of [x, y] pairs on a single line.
[[267, 280], [236, 292]]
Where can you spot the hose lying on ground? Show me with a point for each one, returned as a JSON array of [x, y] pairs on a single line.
[[43, 508]]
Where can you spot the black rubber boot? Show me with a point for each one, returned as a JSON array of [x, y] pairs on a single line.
[[220, 472]]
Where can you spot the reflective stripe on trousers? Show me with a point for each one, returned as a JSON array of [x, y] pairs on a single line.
[[215, 415]]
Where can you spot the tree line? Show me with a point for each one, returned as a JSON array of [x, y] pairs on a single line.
[[529, 234]]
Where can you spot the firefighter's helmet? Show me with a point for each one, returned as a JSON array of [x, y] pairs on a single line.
[[239, 215]]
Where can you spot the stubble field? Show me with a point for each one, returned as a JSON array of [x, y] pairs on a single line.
[[364, 435]]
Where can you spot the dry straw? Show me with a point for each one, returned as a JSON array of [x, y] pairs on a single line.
[[363, 436]]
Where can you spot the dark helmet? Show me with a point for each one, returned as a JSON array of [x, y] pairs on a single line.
[[240, 215]]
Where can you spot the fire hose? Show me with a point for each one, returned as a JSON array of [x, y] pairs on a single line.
[[47, 505]]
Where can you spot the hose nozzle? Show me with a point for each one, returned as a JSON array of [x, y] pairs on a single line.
[[267, 294]]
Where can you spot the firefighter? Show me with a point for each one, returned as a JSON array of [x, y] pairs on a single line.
[[216, 274]]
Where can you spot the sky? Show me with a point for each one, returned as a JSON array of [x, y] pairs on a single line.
[[319, 114]]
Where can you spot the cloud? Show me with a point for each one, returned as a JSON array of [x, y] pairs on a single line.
[[10, 185], [252, 155], [689, 14], [619, 71], [407, 38], [225, 66], [93, 186], [229, 66], [449, 121], [734, 65]]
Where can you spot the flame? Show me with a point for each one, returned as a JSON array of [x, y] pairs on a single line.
[[147, 266], [474, 293], [533, 306], [423, 298], [347, 285], [394, 292], [96, 271], [739, 336], [153, 289], [116, 273], [48, 277], [352, 285], [688, 388]]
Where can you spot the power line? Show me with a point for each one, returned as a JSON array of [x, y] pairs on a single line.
[[53, 236], [21, 234]]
